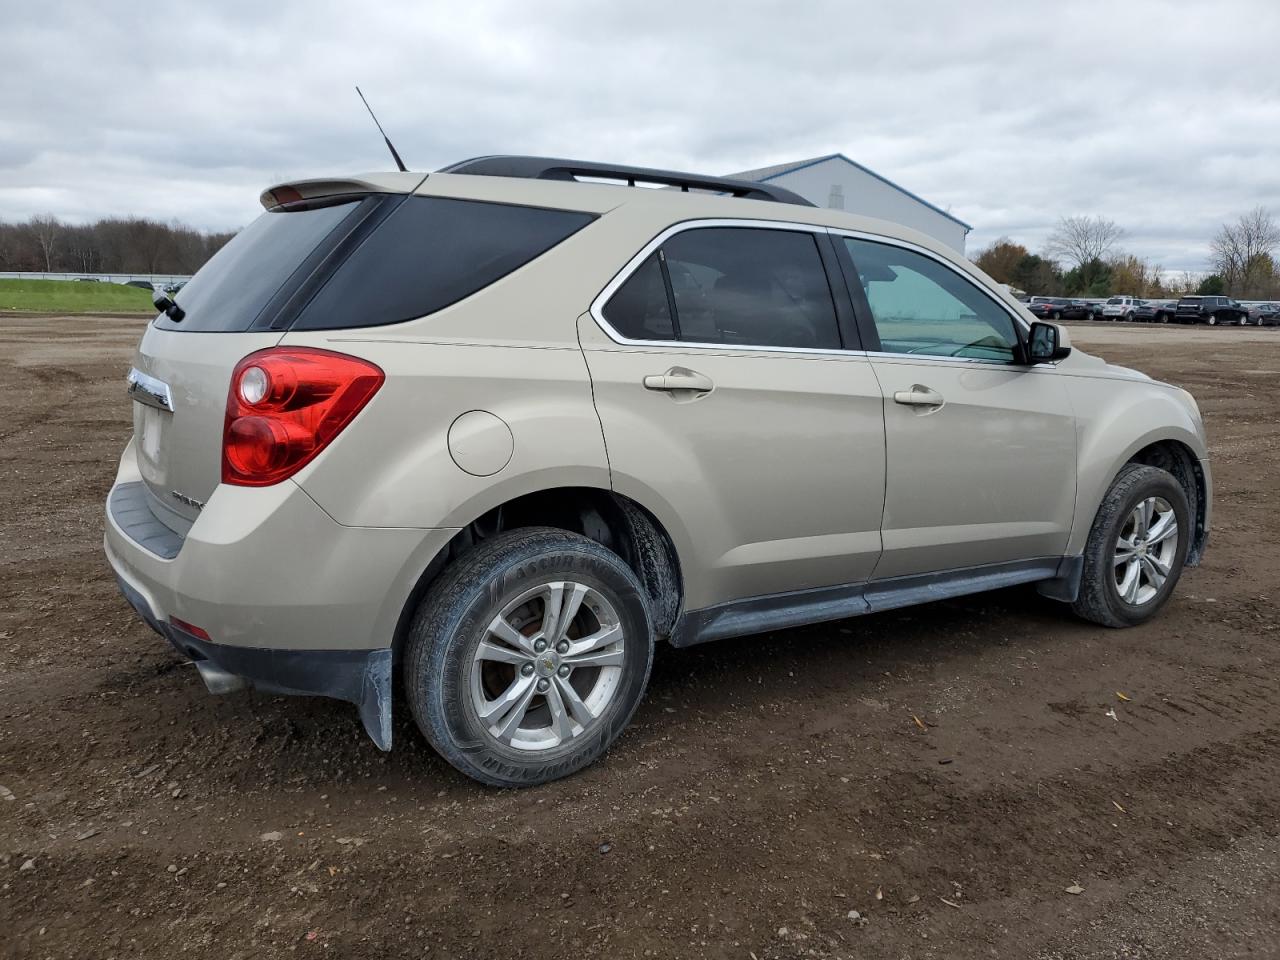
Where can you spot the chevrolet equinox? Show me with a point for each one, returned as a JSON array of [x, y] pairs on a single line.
[[493, 432]]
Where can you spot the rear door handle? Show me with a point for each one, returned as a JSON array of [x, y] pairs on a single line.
[[919, 396], [677, 379]]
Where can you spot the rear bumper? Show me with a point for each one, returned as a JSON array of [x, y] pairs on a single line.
[[292, 600], [362, 677]]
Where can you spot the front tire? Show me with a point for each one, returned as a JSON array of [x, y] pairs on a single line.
[[1136, 548], [528, 656], [1213, 320]]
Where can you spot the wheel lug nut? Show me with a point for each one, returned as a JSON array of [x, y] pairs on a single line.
[[543, 684], [563, 646], [564, 670], [539, 645], [527, 669]]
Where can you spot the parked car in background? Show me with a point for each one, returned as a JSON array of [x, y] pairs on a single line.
[[140, 284], [1077, 310], [1265, 314], [1155, 311], [1211, 310], [1061, 308], [1120, 308], [1049, 308], [1095, 309]]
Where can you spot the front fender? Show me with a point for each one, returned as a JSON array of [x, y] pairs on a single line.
[[1116, 418]]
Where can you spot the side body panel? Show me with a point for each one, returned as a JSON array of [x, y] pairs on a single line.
[[398, 464], [989, 477], [773, 481]]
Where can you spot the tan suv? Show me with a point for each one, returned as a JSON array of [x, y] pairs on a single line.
[[494, 432]]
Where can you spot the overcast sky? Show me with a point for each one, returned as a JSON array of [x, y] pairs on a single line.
[[1162, 116]]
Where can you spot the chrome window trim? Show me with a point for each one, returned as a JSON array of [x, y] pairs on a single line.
[[622, 276], [597, 305], [146, 389]]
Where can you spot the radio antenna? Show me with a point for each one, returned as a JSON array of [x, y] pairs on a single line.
[[385, 138]]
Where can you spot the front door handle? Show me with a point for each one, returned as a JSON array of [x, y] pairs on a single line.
[[918, 396], [679, 379]]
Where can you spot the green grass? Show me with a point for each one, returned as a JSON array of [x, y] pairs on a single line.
[[70, 296]]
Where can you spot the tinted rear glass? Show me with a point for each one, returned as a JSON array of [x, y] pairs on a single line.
[[751, 287], [432, 252], [229, 291], [640, 309]]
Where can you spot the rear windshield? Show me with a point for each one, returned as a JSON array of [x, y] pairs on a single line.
[[229, 291], [432, 252]]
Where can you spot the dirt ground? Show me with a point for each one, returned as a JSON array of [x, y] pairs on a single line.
[[768, 788]]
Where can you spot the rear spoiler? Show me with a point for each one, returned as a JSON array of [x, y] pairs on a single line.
[[299, 191]]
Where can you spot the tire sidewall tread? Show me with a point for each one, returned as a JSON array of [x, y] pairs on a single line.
[[1099, 600], [451, 619]]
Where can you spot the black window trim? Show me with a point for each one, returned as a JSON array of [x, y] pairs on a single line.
[[835, 284]]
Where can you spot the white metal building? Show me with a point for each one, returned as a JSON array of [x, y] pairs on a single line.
[[837, 182]]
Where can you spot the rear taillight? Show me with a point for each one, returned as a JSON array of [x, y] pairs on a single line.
[[285, 405]]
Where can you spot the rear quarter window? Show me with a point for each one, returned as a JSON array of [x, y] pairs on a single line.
[[232, 289], [431, 252]]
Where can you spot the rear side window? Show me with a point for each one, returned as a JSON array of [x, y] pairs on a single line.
[[751, 287], [432, 252], [640, 309], [229, 291]]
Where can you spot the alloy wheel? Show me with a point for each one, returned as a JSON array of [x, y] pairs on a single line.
[[1145, 550], [548, 665]]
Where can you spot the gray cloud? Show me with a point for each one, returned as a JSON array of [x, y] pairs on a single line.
[[1162, 116]]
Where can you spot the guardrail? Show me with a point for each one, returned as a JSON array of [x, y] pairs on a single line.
[[155, 279]]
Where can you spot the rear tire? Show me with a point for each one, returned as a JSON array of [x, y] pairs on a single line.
[[1133, 559], [1213, 320], [500, 684]]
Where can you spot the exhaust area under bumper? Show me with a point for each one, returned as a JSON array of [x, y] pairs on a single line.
[[362, 677]]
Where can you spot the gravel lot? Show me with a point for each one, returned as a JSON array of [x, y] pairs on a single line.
[[768, 789]]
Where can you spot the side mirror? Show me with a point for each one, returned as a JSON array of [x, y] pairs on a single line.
[[164, 303], [1047, 342]]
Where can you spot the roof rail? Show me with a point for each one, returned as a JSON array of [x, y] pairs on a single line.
[[548, 168]]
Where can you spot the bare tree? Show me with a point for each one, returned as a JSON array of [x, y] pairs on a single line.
[[1241, 252], [1081, 240], [46, 231]]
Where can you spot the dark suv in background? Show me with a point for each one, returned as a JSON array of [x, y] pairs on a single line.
[[1210, 310]]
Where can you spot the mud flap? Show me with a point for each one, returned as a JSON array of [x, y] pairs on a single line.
[[362, 677], [375, 698], [1064, 587]]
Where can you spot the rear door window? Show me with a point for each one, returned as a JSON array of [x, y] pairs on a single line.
[[749, 286], [640, 310], [432, 252], [229, 291]]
